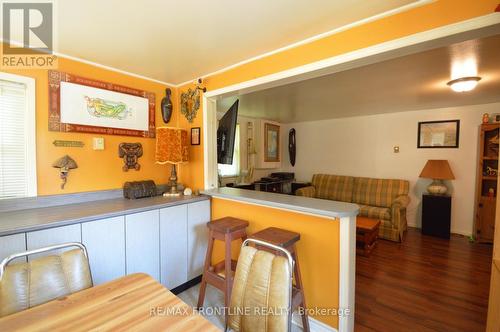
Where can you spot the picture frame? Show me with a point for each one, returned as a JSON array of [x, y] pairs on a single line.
[[271, 142], [79, 104], [438, 134], [195, 136]]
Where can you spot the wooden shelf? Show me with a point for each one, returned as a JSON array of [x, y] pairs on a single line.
[[489, 198], [490, 178], [490, 158]]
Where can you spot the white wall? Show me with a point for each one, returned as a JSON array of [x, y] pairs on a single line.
[[363, 146]]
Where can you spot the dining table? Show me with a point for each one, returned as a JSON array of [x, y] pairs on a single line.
[[135, 302]]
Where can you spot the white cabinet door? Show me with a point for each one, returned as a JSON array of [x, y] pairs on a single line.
[[53, 236], [173, 246], [105, 242], [198, 216], [142, 243], [12, 244]]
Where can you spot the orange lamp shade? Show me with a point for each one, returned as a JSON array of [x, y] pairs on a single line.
[[438, 170], [171, 145]]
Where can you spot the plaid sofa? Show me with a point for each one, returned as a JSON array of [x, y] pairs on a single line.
[[383, 199]]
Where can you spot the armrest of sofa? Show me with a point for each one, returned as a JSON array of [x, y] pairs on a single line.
[[401, 202], [398, 213], [309, 191]]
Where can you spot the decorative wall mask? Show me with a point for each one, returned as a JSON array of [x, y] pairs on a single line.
[[292, 146], [190, 101], [64, 164], [130, 152], [166, 106]]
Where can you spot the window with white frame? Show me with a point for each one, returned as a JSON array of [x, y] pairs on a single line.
[[17, 136], [234, 168]]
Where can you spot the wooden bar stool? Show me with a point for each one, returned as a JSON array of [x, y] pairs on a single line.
[[287, 239], [221, 275]]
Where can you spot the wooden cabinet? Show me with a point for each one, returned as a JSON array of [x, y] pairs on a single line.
[[105, 242], [12, 244], [173, 246], [169, 244], [487, 174], [52, 236], [197, 236], [142, 243]]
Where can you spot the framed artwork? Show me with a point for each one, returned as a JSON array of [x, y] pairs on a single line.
[[271, 142], [195, 136], [78, 104], [438, 134]]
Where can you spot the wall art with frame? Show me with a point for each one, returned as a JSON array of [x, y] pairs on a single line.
[[438, 134]]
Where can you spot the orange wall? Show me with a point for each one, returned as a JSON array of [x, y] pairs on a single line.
[[318, 248], [436, 14], [97, 170], [102, 169]]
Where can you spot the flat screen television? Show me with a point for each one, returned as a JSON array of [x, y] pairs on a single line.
[[225, 135]]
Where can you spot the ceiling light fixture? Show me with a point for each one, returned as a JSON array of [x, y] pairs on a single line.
[[464, 84]]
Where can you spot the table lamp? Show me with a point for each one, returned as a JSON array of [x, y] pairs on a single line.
[[171, 148], [438, 170]]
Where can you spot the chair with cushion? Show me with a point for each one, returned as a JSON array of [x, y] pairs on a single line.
[[42, 279], [262, 290], [382, 199]]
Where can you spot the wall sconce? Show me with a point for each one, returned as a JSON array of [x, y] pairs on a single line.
[[65, 164], [190, 101]]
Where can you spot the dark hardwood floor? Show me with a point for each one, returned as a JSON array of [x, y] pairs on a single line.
[[423, 284]]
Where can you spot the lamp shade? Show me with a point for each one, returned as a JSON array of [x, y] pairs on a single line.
[[171, 145], [437, 169]]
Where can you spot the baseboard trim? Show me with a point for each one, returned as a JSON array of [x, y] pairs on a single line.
[[453, 231], [314, 324], [188, 284]]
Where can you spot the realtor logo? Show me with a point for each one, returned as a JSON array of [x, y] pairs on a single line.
[[28, 34]]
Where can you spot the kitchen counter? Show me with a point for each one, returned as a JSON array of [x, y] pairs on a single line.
[[319, 207], [27, 220]]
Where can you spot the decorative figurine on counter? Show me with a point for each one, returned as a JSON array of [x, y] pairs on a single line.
[[190, 101], [166, 106], [486, 118], [130, 152], [491, 192], [64, 164]]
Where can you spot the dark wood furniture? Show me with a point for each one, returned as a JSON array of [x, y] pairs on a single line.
[[287, 239], [221, 275], [366, 235], [486, 192], [135, 302], [281, 186], [436, 215]]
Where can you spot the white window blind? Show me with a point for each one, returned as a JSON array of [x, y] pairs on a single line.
[[15, 134], [234, 168]]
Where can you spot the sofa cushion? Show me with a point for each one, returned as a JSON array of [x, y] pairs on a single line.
[[333, 187], [378, 192], [374, 212]]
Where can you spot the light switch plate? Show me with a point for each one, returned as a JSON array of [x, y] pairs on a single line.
[[98, 143]]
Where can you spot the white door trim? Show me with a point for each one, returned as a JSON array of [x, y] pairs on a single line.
[[322, 67]]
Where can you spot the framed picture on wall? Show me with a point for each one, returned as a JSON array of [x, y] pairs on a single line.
[[79, 104], [195, 136], [271, 142], [438, 134]]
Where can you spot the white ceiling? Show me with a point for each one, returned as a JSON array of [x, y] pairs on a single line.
[[176, 41], [411, 82]]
